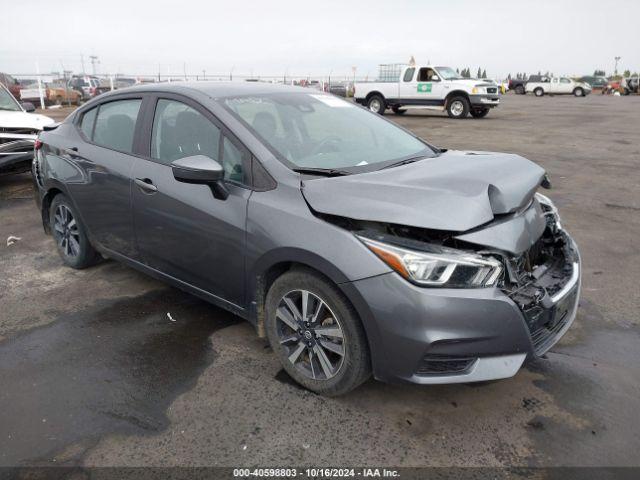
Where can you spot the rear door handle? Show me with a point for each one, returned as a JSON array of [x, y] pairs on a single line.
[[146, 185]]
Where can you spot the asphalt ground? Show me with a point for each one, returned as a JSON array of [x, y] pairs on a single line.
[[94, 373]]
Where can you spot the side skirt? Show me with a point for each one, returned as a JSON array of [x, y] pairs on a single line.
[[186, 287]]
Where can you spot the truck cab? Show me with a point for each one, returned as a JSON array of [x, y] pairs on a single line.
[[432, 87]]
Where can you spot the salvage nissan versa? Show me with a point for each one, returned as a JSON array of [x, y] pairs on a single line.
[[355, 247]]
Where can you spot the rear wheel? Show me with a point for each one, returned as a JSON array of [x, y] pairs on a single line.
[[538, 92], [458, 107], [479, 112], [58, 100], [316, 333], [376, 104], [520, 89], [578, 92], [70, 235], [399, 111]]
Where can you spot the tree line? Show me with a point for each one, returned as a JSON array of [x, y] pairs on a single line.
[[466, 73]]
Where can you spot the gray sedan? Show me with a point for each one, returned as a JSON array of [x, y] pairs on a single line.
[[355, 247]]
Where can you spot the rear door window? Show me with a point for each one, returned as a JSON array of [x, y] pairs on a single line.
[[116, 123]]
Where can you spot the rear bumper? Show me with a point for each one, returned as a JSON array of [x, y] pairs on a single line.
[[434, 336]]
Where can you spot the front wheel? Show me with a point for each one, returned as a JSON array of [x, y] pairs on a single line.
[[376, 104], [520, 90], [479, 112], [538, 92], [578, 92], [316, 333], [70, 235], [458, 107]]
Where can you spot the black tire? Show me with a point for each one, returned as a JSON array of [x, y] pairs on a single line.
[[520, 89], [578, 92], [458, 107], [376, 104], [58, 100], [399, 111], [480, 112], [538, 92], [77, 252], [355, 366]]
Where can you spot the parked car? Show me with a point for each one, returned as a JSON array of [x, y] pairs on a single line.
[[559, 86], [629, 85], [12, 84], [518, 85], [53, 94], [339, 89], [439, 88], [18, 132], [352, 244], [89, 87], [595, 82]]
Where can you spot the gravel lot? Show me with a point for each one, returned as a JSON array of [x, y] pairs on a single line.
[[92, 372]]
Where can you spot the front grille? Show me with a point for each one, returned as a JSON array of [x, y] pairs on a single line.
[[492, 90], [444, 365]]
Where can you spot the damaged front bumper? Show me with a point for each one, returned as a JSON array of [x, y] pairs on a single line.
[[432, 335], [16, 150]]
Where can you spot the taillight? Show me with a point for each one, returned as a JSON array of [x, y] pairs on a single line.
[[38, 145]]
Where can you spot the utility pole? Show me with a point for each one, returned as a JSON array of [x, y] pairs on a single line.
[[82, 62], [615, 70], [184, 70], [94, 61], [204, 74]]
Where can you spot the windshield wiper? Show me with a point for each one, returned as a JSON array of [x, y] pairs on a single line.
[[405, 161], [329, 172]]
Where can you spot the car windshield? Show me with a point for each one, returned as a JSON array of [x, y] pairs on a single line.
[[7, 102], [448, 73], [324, 132]]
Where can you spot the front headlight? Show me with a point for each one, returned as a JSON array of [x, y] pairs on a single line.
[[441, 267]]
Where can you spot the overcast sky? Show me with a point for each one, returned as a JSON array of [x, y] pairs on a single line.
[[317, 37]]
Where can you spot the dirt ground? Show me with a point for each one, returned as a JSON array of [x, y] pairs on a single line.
[[93, 373]]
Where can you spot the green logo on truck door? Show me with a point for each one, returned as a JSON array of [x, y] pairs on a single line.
[[424, 88]]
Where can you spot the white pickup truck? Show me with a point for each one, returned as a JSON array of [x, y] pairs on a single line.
[[439, 88], [558, 86]]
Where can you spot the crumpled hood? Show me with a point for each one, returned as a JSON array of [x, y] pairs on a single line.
[[23, 120], [455, 191]]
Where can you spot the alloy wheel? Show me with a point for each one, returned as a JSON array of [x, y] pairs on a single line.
[[310, 334], [457, 108], [374, 106], [66, 231]]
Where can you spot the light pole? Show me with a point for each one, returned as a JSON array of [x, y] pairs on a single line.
[[615, 70]]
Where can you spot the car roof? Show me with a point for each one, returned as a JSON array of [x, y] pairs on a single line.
[[214, 89]]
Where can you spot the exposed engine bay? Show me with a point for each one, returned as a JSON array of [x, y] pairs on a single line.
[[533, 278]]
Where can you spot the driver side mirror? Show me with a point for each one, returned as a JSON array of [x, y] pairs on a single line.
[[28, 107], [200, 169]]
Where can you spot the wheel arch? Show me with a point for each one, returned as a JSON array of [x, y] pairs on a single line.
[[272, 265], [456, 93], [375, 92], [53, 189]]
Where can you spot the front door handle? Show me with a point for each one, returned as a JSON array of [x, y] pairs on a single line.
[[146, 185]]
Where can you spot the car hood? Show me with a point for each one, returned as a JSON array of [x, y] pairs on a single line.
[[455, 191], [23, 120]]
